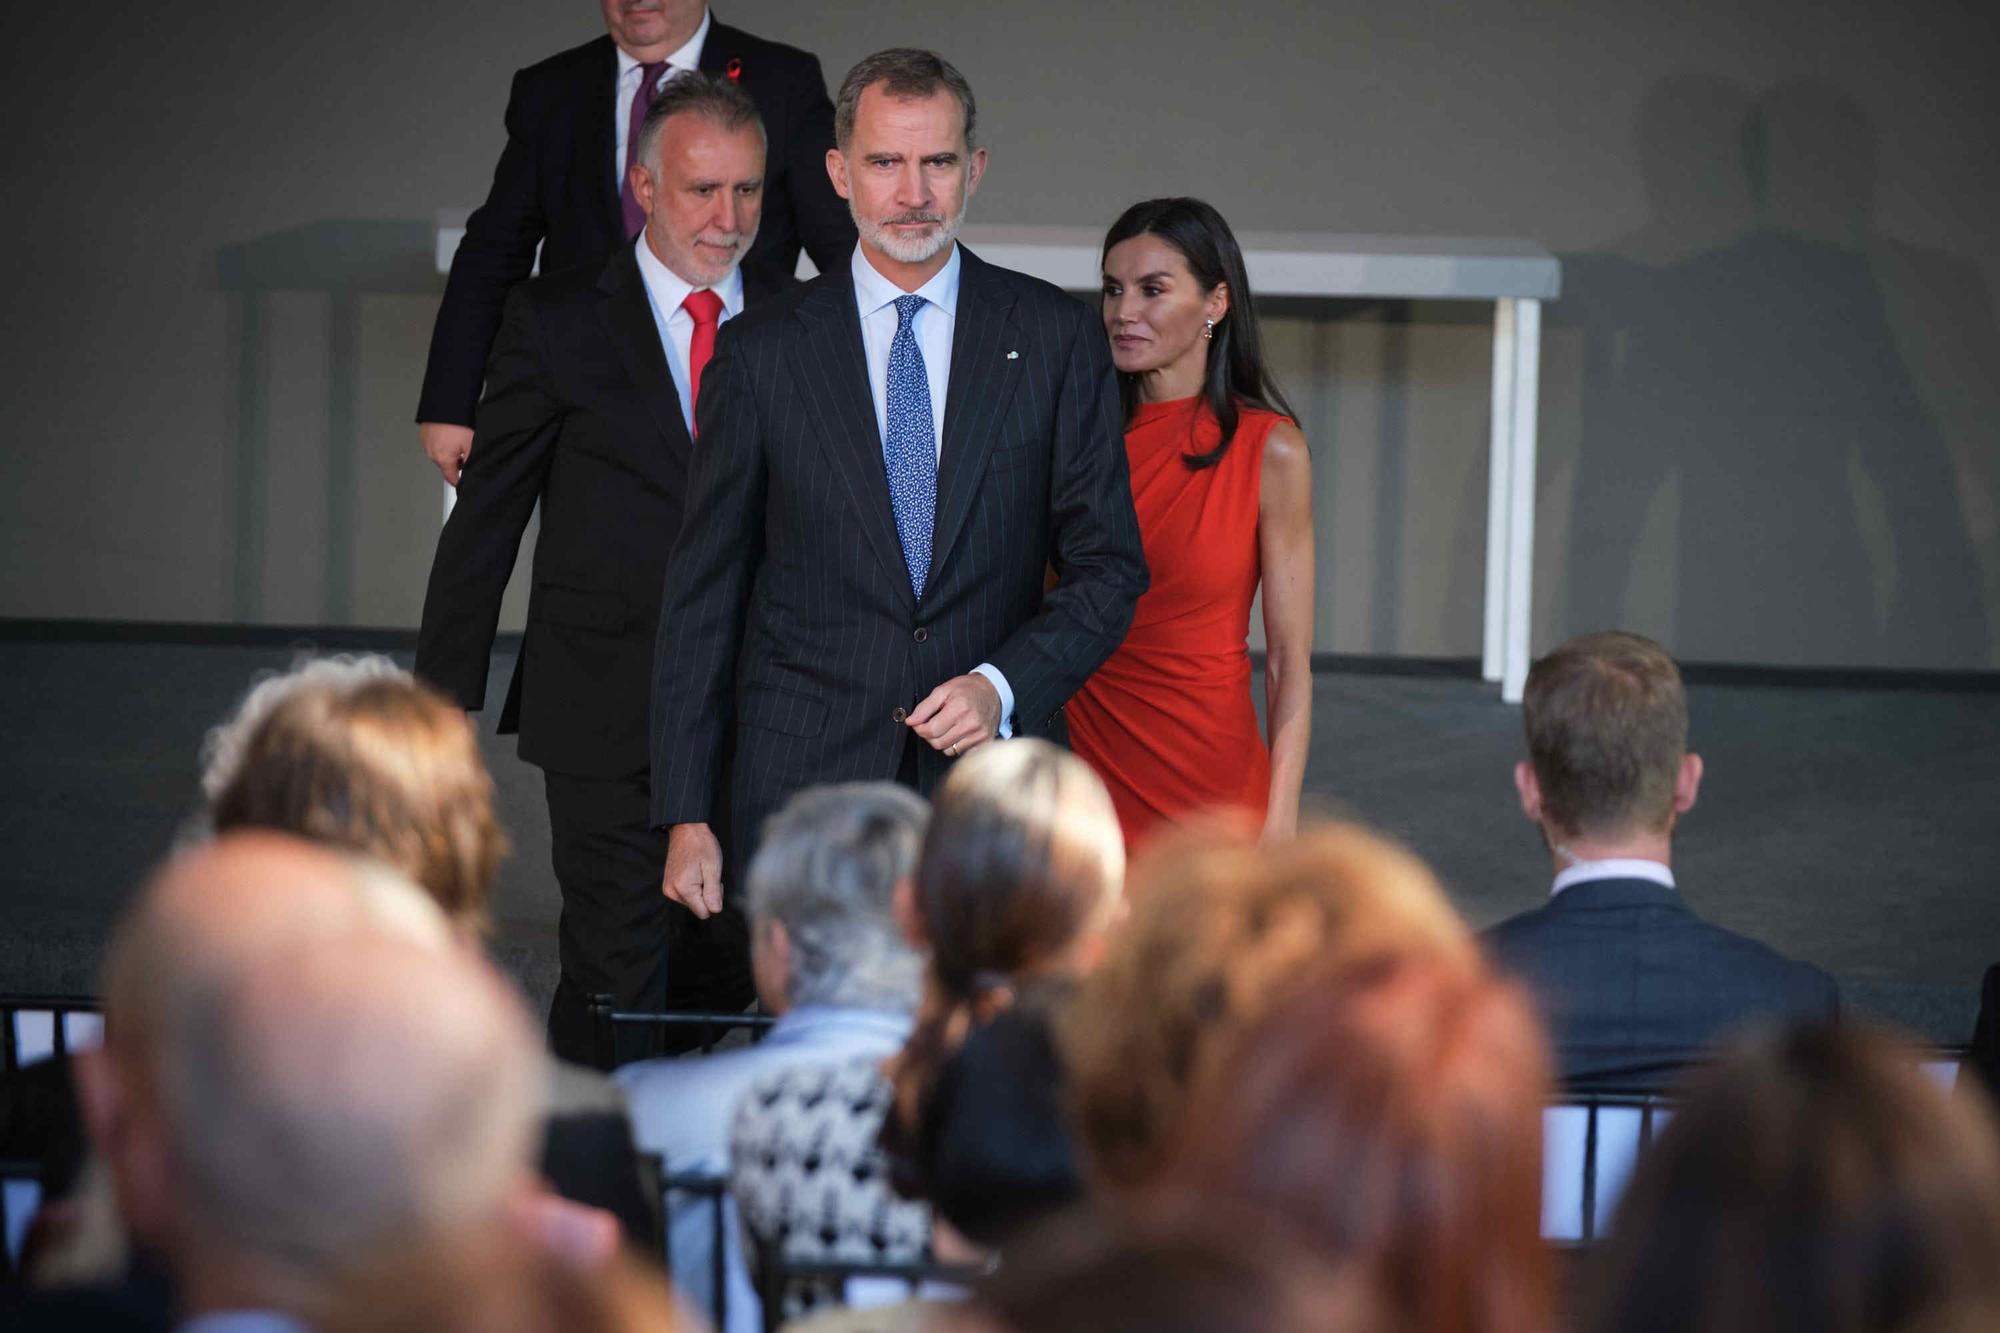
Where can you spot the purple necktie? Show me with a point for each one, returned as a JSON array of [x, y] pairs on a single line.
[[650, 83]]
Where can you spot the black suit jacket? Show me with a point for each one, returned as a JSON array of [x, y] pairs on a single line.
[[556, 186], [581, 414], [1635, 985], [789, 634]]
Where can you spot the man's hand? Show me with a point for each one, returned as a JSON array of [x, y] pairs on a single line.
[[694, 869], [446, 445], [959, 714]]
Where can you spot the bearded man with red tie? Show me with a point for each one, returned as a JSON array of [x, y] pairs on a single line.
[[589, 409]]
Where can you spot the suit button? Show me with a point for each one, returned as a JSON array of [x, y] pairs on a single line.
[[921, 634], [898, 715]]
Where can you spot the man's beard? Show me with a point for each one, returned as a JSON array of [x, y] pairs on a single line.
[[909, 249]]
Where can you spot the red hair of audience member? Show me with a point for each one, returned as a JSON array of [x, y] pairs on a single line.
[[1220, 929], [1814, 1181], [1391, 1113]]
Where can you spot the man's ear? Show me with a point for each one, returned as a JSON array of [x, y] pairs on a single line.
[[836, 171], [98, 1094], [1687, 783], [903, 906], [126, 1133], [1529, 790], [976, 169], [641, 181]]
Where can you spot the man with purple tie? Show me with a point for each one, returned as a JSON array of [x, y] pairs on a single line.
[[561, 182]]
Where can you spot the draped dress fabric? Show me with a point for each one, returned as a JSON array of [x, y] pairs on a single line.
[[1168, 721]]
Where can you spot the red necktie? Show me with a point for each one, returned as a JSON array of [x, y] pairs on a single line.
[[705, 308], [650, 83]]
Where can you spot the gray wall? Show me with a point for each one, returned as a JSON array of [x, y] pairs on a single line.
[[1769, 395]]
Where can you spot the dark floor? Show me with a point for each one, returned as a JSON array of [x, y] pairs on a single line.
[[1855, 828]]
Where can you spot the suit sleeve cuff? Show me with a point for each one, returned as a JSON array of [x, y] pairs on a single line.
[[1006, 692]]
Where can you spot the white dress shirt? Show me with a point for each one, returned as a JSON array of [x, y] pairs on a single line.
[[1581, 872], [665, 290], [626, 87], [875, 302]]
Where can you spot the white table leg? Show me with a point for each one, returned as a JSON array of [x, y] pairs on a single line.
[[1500, 455], [1521, 503]]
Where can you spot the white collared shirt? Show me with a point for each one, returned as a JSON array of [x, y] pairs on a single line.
[[665, 290], [1580, 872], [875, 301], [626, 86]]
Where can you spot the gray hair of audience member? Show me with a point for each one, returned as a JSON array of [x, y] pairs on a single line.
[[222, 748], [334, 1101], [717, 101], [907, 74], [827, 870]]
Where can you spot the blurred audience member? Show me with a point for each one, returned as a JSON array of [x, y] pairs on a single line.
[[1815, 1181], [1220, 930], [299, 1069], [356, 753], [1981, 1067], [1634, 983], [497, 1284], [1189, 1267], [1390, 1112], [1022, 874], [829, 960]]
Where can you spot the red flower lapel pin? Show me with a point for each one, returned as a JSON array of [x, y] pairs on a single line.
[[734, 71]]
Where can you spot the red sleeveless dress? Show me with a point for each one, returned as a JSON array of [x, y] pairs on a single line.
[[1168, 721]]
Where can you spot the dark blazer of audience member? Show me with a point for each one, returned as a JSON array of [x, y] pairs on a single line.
[[1815, 1181], [585, 414], [819, 625], [1634, 984], [1021, 874], [355, 753], [562, 175], [1389, 1111]]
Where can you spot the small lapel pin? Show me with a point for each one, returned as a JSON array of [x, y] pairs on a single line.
[[1013, 356]]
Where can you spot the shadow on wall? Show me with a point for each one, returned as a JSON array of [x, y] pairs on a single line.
[[343, 262], [1762, 396]]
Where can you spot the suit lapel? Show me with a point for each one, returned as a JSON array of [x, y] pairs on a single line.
[[597, 140], [832, 369], [982, 383], [628, 320]]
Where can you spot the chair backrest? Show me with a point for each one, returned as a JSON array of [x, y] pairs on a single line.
[[776, 1276], [1591, 1141], [20, 1196], [710, 1190], [36, 1027], [607, 1018]]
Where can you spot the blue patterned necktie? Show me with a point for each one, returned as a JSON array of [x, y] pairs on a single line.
[[909, 447]]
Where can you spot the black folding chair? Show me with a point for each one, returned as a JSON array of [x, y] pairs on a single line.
[[60, 1010], [713, 1191], [1650, 1108], [607, 1017], [777, 1275]]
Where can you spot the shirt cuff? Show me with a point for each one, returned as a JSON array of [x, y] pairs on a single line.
[[1006, 691]]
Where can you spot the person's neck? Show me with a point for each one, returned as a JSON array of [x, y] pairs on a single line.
[[907, 277], [1183, 378], [1568, 849], [678, 36], [211, 1282]]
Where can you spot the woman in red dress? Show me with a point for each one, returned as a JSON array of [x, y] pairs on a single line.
[[1223, 489]]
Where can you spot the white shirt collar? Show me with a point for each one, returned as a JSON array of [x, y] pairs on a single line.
[[872, 291], [668, 288], [1580, 872], [688, 57]]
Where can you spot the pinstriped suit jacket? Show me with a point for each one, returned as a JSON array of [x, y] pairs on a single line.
[[789, 635]]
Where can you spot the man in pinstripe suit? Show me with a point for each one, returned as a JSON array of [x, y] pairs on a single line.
[[892, 457]]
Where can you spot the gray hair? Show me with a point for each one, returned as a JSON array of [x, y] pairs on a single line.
[[827, 870], [717, 101], [222, 748], [907, 74]]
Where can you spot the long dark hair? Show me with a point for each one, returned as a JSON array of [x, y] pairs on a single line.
[[1235, 375]]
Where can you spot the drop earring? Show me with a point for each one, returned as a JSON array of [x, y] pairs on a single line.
[[1208, 330]]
